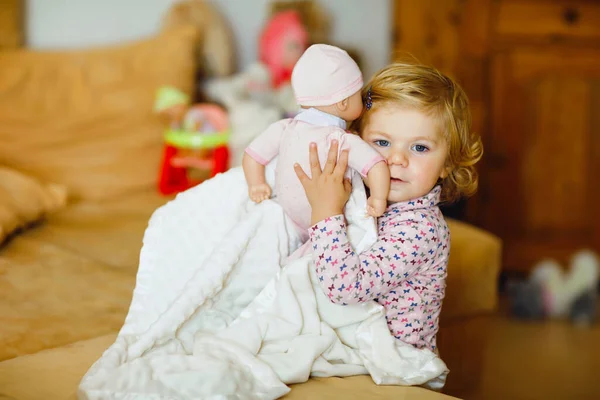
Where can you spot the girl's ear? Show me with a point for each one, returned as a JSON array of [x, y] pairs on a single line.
[[447, 170]]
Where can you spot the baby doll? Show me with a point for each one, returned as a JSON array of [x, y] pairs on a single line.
[[326, 83]]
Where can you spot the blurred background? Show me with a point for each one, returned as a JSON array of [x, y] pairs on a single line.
[[65, 24], [531, 69]]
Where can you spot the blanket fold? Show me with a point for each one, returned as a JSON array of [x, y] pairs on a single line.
[[216, 313]]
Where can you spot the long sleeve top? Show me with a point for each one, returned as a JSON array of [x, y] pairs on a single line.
[[404, 271]]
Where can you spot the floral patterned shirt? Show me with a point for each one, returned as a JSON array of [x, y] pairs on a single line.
[[404, 271]]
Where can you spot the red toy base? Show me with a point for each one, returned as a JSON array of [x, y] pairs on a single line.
[[173, 179]]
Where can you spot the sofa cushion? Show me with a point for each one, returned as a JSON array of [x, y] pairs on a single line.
[[84, 117], [11, 24], [358, 387], [472, 282], [52, 297], [24, 200], [108, 231], [57, 374]]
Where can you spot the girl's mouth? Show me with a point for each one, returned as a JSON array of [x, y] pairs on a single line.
[[397, 180]]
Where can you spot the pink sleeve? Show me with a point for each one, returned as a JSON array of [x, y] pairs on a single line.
[[362, 157], [266, 145], [347, 277]]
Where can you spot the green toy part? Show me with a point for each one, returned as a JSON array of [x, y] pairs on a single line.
[[169, 96], [195, 140]]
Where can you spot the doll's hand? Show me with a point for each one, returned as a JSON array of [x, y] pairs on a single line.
[[260, 192], [376, 207]]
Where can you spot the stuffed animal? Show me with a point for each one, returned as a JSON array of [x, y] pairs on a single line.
[[551, 293], [526, 299], [216, 54], [282, 42], [312, 14], [251, 106]]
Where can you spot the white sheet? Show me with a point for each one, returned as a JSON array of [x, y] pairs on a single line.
[[213, 314]]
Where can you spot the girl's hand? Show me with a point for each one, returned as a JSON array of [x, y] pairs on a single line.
[[328, 190]]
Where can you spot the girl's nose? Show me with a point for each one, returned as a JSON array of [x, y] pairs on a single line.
[[398, 158]]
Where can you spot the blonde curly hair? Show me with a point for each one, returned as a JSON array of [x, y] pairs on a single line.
[[426, 89]]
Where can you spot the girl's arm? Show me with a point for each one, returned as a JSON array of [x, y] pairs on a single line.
[[348, 277], [345, 276]]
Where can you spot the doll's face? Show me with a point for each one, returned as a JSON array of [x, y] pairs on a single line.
[[355, 106]]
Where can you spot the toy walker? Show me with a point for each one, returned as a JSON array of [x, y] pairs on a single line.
[[195, 145]]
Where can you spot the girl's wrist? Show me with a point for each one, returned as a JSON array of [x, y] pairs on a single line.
[[319, 215]]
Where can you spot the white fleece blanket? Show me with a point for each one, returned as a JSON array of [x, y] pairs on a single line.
[[214, 315]]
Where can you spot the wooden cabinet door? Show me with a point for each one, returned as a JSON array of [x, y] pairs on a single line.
[[543, 153]]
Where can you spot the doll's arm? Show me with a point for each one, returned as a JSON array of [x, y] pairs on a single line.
[[378, 181], [372, 166], [258, 189], [258, 154]]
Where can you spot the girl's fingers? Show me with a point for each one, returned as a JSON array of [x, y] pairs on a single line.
[[331, 158], [315, 166], [304, 179], [342, 164]]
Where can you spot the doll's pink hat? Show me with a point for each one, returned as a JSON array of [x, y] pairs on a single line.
[[325, 75]]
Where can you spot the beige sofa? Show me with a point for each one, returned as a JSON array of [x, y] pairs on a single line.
[[81, 147]]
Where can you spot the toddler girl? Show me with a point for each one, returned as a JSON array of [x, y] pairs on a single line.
[[419, 121], [326, 83]]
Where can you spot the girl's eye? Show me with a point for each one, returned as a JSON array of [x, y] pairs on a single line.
[[382, 143], [419, 148]]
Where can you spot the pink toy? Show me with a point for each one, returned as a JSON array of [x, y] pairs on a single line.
[[282, 42]]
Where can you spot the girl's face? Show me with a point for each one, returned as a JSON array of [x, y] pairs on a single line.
[[414, 149]]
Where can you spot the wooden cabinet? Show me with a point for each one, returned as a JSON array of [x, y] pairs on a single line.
[[532, 71], [544, 153]]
